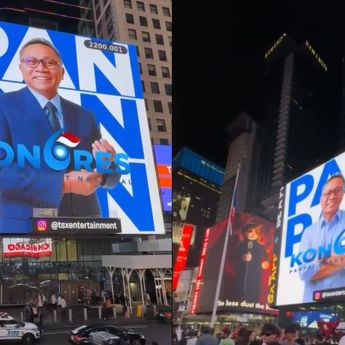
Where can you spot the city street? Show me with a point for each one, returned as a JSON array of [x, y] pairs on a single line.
[[154, 330]]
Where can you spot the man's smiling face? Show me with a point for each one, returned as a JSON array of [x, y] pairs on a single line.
[[41, 79]]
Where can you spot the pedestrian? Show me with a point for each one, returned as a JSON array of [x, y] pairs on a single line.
[[270, 334], [63, 306], [28, 313], [206, 338], [53, 301], [225, 337]]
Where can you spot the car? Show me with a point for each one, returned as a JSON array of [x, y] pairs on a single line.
[[164, 313], [81, 335], [12, 330]]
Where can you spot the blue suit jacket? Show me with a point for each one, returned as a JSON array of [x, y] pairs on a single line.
[[22, 121]]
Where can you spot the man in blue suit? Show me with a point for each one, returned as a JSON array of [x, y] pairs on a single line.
[[25, 118]]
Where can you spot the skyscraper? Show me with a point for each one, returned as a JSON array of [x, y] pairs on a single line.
[[302, 102], [149, 26]]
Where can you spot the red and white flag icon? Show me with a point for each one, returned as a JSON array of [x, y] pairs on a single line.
[[68, 139]]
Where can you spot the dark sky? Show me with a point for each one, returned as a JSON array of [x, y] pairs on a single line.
[[218, 61]]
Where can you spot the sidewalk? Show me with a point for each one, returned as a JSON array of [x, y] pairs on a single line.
[[78, 317]]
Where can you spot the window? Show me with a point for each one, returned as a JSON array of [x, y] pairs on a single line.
[[154, 9], [108, 13], [132, 34], [149, 122], [166, 12], [98, 12], [140, 6], [129, 18], [143, 85], [156, 23], [143, 21], [168, 26], [161, 125], [159, 39], [154, 87], [170, 41], [146, 36], [110, 28], [140, 68], [157, 105], [168, 89], [146, 105], [170, 107], [165, 72], [164, 141], [162, 55], [148, 53], [151, 70], [127, 3], [152, 141]]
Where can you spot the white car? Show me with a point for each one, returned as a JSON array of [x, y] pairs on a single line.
[[14, 330]]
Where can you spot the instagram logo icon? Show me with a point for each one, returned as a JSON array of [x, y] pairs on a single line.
[[41, 225]]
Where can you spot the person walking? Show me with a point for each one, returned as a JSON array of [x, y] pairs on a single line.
[[206, 338]]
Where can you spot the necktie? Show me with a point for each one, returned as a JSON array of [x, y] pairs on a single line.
[[50, 111]]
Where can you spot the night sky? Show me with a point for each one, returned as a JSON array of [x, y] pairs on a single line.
[[218, 61]]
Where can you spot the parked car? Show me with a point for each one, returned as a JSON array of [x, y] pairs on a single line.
[[164, 313], [81, 335], [12, 330]]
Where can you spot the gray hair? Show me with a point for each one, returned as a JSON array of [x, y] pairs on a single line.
[[39, 41]]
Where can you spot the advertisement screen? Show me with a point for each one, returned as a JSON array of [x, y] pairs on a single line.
[[74, 137], [248, 261], [163, 154], [312, 236]]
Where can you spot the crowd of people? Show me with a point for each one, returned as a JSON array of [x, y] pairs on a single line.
[[270, 334]]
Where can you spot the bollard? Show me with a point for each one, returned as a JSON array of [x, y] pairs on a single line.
[[70, 315], [54, 315], [100, 312], [85, 314], [21, 316], [114, 312]]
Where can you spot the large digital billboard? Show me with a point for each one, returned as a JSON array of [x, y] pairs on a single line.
[[248, 261], [311, 224], [86, 153]]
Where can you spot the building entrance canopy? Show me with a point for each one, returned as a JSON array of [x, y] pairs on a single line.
[[159, 265]]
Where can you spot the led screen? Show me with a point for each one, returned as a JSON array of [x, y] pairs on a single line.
[[311, 247], [94, 159]]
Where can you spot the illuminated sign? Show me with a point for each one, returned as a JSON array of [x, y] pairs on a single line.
[[275, 45], [316, 56], [163, 154], [200, 271], [248, 260], [182, 253], [312, 235], [101, 96], [27, 247]]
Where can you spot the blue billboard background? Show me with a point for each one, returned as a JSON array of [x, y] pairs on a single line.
[[103, 77]]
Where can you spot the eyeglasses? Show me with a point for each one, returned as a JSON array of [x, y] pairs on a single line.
[[33, 62], [266, 334], [337, 191]]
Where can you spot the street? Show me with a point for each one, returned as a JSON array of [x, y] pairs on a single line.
[[153, 330]]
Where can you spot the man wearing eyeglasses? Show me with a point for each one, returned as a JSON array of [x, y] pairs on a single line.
[[30, 116], [326, 272]]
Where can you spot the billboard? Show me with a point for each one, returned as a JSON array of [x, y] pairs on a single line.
[[163, 154], [35, 248], [248, 261], [86, 154], [311, 225]]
